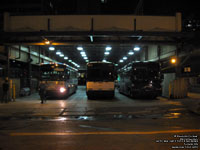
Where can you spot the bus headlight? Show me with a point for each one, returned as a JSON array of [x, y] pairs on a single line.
[[62, 89]]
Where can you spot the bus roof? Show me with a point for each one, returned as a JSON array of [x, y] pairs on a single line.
[[58, 65], [145, 63], [98, 62]]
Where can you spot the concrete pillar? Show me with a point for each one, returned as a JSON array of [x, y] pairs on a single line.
[[158, 52], [29, 68], [178, 64], [146, 51], [7, 72]]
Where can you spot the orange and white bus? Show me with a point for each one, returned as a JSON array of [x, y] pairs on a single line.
[[60, 80]]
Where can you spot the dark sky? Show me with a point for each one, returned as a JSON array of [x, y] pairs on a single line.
[[186, 7], [150, 7], [157, 7], [189, 8]]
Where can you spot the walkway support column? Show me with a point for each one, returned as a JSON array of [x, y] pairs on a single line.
[[29, 68]]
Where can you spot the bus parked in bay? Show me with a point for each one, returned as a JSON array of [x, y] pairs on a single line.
[[60, 80], [100, 80], [139, 79]]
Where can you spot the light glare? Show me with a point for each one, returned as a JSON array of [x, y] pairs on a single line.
[[136, 48], [80, 48], [107, 53], [83, 53], [51, 48], [58, 53], [173, 60], [130, 53], [61, 55], [65, 57], [47, 42], [124, 58], [62, 89], [108, 48]]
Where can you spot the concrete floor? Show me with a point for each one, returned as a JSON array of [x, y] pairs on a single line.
[[80, 124]]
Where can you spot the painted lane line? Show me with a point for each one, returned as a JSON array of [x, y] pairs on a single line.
[[104, 133]]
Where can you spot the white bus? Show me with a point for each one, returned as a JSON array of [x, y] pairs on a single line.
[[100, 80]]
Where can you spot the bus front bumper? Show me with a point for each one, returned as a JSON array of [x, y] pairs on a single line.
[[98, 93], [55, 93]]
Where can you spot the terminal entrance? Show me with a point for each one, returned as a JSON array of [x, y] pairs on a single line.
[[61, 53]]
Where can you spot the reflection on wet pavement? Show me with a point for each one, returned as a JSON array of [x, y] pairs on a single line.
[[77, 107]]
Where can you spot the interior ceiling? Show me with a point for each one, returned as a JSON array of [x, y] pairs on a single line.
[[95, 52], [67, 42], [121, 45]]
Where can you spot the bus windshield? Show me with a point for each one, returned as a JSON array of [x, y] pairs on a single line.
[[100, 72], [145, 72], [53, 74]]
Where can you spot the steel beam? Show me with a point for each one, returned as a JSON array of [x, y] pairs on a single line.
[[95, 34]]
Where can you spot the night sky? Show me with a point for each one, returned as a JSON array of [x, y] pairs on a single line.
[[189, 8]]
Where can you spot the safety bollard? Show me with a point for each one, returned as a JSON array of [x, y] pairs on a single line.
[[10, 91]]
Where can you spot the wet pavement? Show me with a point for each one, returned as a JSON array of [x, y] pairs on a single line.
[[78, 123], [78, 105]]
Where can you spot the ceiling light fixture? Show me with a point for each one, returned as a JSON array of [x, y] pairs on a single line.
[[58, 53], [131, 53], [80, 48], [51, 48], [136, 48], [46, 42], [65, 57], [107, 53], [108, 48], [124, 58], [61, 55], [83, 53]]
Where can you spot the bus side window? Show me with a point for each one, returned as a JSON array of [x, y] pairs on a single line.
[[73, 75], [122, 78], [67, 74]]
